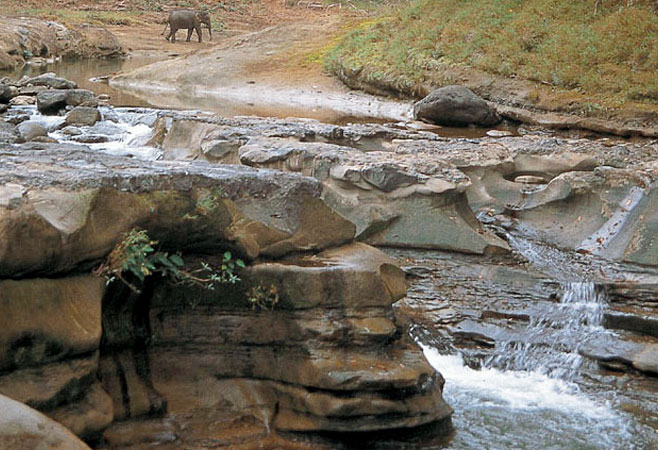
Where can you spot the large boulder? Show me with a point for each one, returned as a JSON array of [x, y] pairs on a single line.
[[70, 209], [332, 359], [455, 106], [22, 428], [52, 101]]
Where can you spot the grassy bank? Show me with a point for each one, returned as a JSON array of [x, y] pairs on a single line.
[[607, 57]]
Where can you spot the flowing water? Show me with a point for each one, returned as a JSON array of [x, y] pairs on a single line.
[[524, 396]]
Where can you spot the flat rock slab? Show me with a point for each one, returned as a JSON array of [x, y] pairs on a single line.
[[67, 205]]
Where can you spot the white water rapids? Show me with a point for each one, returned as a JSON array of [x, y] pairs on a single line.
[[524, 397]]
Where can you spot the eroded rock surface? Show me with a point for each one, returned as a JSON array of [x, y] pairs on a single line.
[[75, 203], [23, 38], [332, 358], [328, 357]]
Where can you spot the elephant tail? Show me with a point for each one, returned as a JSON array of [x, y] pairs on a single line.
[[165, 28]]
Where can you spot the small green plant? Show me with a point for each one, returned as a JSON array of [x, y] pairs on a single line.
[[262, 297], [136, 254], [206, 203]]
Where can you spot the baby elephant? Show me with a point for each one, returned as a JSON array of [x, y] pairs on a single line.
[[191, 20]]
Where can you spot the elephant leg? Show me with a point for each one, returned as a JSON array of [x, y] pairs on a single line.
[[198, 32], [172, 33], [189, 34]]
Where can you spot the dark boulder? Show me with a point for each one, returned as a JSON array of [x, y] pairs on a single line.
[[52, 101], [5, 93], [455, 106]]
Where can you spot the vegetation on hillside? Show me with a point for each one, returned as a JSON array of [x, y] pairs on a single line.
[[605, 49]]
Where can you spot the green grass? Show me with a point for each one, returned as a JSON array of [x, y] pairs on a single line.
[[91, 17], [611, 56]]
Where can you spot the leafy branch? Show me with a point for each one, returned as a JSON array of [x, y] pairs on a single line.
[[136, 254]]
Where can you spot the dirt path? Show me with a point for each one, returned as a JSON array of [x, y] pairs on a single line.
[[269, 71]]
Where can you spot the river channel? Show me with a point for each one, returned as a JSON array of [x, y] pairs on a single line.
[[530, 386]]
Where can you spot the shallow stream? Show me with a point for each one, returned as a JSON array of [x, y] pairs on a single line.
[[525, 395]]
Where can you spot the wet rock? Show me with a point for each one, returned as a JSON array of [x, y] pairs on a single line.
[[646, 359], [90, 138], [51, 101], [83, 116], [3, 108], [23, 428], [22, 100], [50, 80], [455, 106], [29, 130], [159, 133], [71, 131], [45, 140]]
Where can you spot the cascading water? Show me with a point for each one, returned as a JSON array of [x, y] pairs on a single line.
[[550, 344], [524, 395]]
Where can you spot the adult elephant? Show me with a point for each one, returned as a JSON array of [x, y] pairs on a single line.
[[191, 20]]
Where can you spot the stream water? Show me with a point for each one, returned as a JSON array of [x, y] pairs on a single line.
[[524, 396]]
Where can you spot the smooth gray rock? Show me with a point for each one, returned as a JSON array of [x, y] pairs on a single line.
[[50, 102], [455, 106], [29, 130], [23, 428]]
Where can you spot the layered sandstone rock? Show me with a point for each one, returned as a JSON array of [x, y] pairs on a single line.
[[328, 357]]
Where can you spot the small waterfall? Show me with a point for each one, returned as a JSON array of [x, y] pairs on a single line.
[[550, 343]]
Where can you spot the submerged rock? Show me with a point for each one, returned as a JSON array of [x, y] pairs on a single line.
[[455, 106]]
